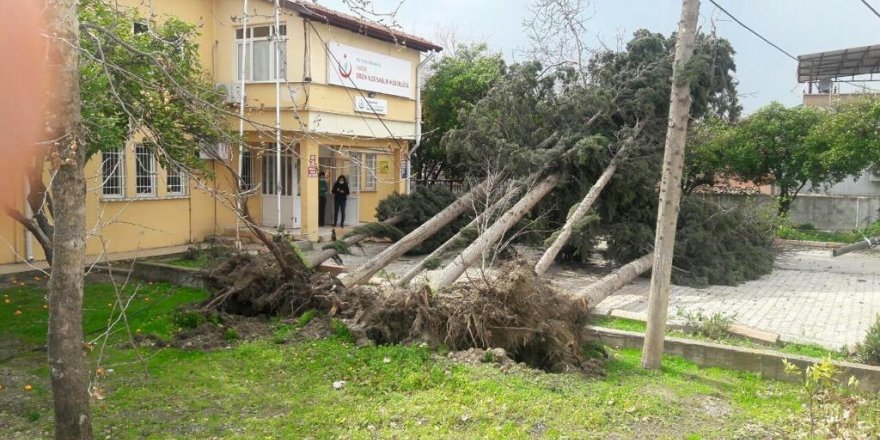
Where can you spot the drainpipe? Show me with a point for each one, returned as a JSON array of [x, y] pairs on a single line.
[[241, 104], [28, 237], [418, 131]]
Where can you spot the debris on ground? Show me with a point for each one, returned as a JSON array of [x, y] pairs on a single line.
[[515, 311]]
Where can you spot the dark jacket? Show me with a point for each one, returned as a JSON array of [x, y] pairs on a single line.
[[340, 190]]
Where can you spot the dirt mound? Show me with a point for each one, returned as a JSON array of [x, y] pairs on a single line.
[[517, 311]]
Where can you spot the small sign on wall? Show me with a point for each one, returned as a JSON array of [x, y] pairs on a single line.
[[370, 105], [313, 165], [384, 167]]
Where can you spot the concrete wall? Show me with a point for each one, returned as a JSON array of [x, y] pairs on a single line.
[[764, 362], [830, 213]]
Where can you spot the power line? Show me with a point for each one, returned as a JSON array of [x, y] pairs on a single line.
[[865, 2], [786, 53], [753, 31]]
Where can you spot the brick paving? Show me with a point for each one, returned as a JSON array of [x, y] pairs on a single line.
[[810, 297]]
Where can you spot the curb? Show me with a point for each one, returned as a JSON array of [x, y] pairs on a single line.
[[767, 363]]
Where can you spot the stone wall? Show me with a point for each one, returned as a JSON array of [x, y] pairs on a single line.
[[830, 213]]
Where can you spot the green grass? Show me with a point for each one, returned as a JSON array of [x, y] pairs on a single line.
[[266, 390], [809, 232], [151, 310], [809, 350]]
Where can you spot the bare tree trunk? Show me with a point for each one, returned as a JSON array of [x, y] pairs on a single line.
[[404, 281], [670, 187], [420, 234], [612, 282], [565, 233], [495, 233], [326, 254], [67, 364]]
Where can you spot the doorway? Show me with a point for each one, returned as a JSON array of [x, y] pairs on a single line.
[[286, 190], [340, 161]]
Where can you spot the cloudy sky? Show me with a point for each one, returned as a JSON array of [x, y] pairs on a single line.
[[765, 75]]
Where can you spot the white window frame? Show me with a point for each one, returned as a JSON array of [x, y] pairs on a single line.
[[370, 170], [142, 156], [117, 173], [183, 183], [279, 71]]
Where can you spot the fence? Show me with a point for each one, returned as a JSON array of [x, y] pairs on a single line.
[[456, 186]]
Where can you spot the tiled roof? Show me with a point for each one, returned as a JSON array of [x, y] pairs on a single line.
[[359, 25]]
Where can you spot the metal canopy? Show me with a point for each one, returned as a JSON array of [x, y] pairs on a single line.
[[839, 63]]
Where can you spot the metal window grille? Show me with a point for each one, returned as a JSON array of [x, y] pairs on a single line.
[[370, 172], [175, 182], [145, 174], [113, 173], [269, 173], [354, 172], [262, 45], [247, 170]]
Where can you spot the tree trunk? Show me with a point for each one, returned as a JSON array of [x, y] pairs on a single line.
[[495, 233], [326, 254], [670, 187], [70, 379], [420, 234], [404, 281], [867, 243], [565, 233], [612, 282]]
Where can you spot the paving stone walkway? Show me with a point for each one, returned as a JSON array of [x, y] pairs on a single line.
[[810, 297]]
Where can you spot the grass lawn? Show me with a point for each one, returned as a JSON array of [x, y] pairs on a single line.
[[810, 233], [260, 389]]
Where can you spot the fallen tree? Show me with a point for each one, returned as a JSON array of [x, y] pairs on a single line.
[[333, 249], [411, 240], [438, 253], [582, 208], [487, 239], [598, 291]]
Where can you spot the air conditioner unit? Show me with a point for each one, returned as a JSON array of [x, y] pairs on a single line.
[[231, 92], [220, 151]]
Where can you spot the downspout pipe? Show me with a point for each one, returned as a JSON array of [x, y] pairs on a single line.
[[418, 130], [277, 72], [241, 103]]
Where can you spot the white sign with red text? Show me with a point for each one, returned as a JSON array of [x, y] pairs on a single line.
[[369, 71]]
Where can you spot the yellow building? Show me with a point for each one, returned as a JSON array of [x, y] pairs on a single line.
[[343, 92]]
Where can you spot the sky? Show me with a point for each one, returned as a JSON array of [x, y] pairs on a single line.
[[765, 75]]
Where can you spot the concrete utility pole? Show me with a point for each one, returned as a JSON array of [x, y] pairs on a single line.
[[670, 186]]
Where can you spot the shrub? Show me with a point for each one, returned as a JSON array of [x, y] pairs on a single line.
[[869, 350], [712, 327], [230, 334], [341, 331], [188, 319]]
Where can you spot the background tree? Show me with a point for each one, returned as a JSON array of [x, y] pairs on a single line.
[[455, 84], [781, 146]]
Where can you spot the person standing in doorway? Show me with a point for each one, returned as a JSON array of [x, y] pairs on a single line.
[[340, 196], [323, 189]]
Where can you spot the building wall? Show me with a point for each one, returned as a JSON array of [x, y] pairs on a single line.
[[313, 113]]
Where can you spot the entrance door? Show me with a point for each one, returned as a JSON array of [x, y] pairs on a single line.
[[345, 163], [287, 189]]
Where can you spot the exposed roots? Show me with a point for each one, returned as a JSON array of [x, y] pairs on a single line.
[[517, 311]]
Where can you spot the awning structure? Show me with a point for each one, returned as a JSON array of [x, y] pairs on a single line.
[[839, 63]]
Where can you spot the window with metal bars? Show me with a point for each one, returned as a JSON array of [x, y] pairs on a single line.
[[175, 182], [145, 171], [370, 172], [247, 170], [269, 182], [113, 173]]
